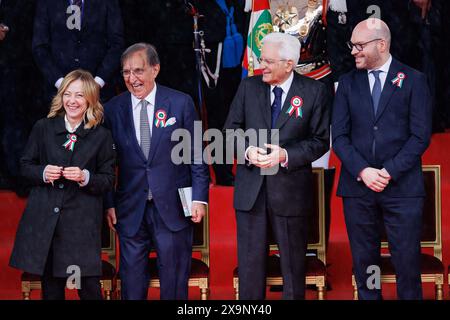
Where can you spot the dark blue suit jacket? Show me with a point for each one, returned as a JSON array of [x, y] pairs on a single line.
[[96, 48], [401, 130], [136, 174]]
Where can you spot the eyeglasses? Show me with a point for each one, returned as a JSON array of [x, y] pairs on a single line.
[[269, 62], [137, 72], [360, 46]]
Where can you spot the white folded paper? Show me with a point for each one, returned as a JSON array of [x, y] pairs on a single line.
[[186, 200]]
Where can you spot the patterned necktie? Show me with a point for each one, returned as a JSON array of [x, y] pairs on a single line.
[[376, 90], [145, 134], [276, 105], [145, 129]]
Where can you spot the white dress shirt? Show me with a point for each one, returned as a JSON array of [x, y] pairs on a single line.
[[285, 86], [136, 107], [383, 74]]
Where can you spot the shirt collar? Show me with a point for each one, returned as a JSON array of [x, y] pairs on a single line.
[[69, 127], [150, 98], [385, 67], [285, 85]]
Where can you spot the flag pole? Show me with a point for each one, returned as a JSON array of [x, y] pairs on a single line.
[[250, 56]]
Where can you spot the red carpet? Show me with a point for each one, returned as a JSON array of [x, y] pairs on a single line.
[[223, 239]]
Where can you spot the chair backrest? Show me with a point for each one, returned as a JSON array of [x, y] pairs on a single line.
[[431, 217], [201, 239], [316, 220], [108, 243]]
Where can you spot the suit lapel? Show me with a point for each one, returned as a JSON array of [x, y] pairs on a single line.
[[130, 130], [161, 102], [264, 102], [388, 88], [362, 83], [295, 88]]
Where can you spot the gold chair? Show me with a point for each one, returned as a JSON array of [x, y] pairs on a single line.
[[316, 272], [448, 275], [199, 276], [30, 282], [432, 268]]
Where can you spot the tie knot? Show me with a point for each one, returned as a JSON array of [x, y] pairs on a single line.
[[277, 91], [376, 73], [144, 103]]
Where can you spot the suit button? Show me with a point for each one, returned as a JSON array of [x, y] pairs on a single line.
[[56, 210], [61, 186], [375, 128]]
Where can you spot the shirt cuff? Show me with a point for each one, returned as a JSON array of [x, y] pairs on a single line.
[[206, 203], [248, 5], [58, 83], [246, 153], [86, 178], [358, 178], [43, 174], [285, 163], [100, 81]]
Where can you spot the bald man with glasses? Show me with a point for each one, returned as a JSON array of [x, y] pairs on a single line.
[[381, 126]]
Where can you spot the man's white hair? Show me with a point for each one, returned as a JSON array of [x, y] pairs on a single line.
[[288, 46]]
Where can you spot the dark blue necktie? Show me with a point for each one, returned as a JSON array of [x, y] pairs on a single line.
[[376, 90], [376, 94], [276, 105]]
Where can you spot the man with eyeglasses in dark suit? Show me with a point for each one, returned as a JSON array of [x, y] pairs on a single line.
[[381, 127]]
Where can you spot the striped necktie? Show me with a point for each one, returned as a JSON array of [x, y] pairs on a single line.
[[145, 135]]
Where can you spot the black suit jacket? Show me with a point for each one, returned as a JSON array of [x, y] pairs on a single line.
[[305, 138], [96, 48]]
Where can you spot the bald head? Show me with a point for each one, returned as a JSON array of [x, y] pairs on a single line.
[[371, 41], [374, 28]]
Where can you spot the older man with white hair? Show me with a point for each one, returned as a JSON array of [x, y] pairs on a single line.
[[292, 108]]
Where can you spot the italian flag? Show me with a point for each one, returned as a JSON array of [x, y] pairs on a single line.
[[260, 25]]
